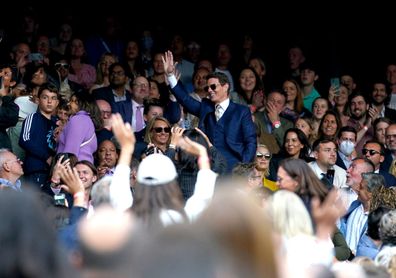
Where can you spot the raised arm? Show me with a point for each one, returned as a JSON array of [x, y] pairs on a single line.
[[206, 179], [120, 191], [183, 97]]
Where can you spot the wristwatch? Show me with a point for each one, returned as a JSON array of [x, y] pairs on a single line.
[[276, 124]]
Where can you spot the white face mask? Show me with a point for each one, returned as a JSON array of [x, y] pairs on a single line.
[[347, 147]]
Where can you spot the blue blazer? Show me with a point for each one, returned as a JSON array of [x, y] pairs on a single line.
[[122, 107], [390, 180], [234, 135]]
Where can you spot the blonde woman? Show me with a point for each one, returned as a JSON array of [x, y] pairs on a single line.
[[292, 221], [263, 159], [158, 133]]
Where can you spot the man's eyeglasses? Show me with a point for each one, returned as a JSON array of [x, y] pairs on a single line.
[[106, 113], [267, 156], [371, 152], [142, 85], [62, 65], [212, 87], [15, 160], [162, 129]]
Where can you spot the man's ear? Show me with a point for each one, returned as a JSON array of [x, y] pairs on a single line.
[[94, 179], [6, 167]]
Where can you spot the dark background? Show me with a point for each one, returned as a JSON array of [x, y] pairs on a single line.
[[337, 36]]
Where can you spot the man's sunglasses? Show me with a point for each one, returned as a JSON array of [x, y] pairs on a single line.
[[212, 86], [371, 152], [261, 155], [62, 65]]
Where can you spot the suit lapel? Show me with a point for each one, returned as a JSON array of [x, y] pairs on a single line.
[[227, 115]]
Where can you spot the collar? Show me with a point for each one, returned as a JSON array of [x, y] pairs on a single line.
[[343, 156], [7, 183], [382, 112], [135, 104], [318, 171], [224, 104]]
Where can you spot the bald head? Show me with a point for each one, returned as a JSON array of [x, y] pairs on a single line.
[[105, 111], [390, 137]]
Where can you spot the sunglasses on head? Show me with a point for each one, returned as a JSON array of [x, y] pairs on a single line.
[[212, 86], [371, 152], [62, 65], [162, 129], [261, 155]]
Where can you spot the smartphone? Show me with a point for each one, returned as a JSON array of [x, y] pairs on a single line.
[[34, 57], [335, 82], [330, 174]]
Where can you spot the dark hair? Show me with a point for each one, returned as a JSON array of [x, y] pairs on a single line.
[[187, 161], [388, 90], [357, 94], [309, 184], [316, 144], [347, 129], [258, 86], [87, 103], [382, 147], [223, 79], [50, 87], [302, 138], [148, 103], [73, 160], [338, 121], [89, 165], [151, 201], [373, 221]]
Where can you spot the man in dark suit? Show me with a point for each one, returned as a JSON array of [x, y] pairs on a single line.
[[115, 94], [380, 98], [228, 125], [375, 152]]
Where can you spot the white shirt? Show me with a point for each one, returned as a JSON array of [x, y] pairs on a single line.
[[224, 105], [339, 174]]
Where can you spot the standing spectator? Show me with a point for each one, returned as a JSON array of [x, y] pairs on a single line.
[[78, 136], [228, 125], [37, 136], [309, 74]]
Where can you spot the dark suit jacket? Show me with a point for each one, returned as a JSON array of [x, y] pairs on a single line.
[[122, 107], [340, 163], [390, 180], [171, 109], [234, 135], [390, 113]]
